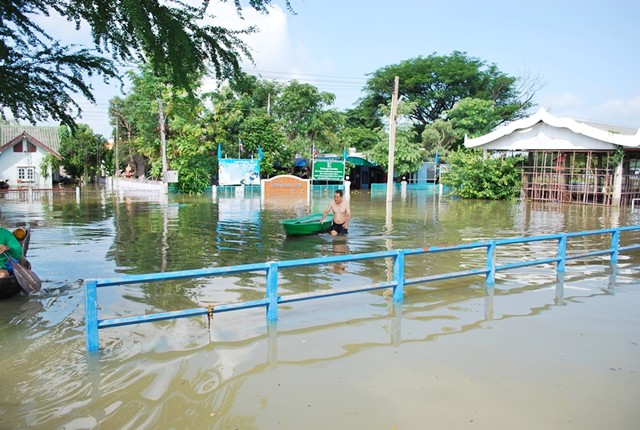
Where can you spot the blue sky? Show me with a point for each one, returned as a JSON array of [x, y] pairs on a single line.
[[584, 53]]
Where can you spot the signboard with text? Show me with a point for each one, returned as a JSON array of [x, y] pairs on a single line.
[[285, 187], [328, 170]]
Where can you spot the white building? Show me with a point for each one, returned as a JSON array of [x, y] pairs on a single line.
[[570, 160], [22, 151]]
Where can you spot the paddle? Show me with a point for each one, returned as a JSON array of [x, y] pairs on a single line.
[[27, 279]]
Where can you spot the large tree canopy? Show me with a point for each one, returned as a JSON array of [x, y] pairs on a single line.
[[38, 76], [436, 83]]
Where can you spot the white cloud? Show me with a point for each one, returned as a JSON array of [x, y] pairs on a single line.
[[270, 47]]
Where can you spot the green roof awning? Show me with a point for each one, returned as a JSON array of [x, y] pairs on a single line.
[[358, 161]]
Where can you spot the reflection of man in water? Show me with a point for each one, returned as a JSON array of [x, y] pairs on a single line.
[[341, 214], [340, 248]]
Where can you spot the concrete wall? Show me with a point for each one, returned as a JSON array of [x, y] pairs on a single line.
[[123, 184]]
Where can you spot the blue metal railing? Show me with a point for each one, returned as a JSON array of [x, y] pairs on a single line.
[[271, 269]]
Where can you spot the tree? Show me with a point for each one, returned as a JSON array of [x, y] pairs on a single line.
[[189, 148], [360, 131], [408, 153], [303, 113], [260, 130], [82, 151], [474, 117], [296, 119], [474, 176], [436, 83], [440, 136], [38, 75], [257, 94], [121, 115]]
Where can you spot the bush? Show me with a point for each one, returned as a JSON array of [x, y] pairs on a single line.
[[472, 175]]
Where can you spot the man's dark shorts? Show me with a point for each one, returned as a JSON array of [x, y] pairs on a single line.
[[339, 228]]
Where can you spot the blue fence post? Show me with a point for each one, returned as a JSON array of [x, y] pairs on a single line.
[[491, 263], [272, 291], [91, 315], [562, 253], [615, 243], [398, 277]]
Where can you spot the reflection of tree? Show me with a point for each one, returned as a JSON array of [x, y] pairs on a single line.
[[66, 210], [488, 216], [153, 237], [141, 232]]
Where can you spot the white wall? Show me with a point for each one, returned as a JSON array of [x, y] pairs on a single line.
[[11, 161]]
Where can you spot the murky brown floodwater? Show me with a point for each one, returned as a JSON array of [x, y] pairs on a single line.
[[532, 353]]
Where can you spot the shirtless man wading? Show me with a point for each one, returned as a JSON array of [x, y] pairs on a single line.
[[341, 214]]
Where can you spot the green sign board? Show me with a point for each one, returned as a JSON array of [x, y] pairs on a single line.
[[328, 170]]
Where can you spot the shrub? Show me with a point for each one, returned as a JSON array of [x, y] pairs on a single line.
[[472, 175]]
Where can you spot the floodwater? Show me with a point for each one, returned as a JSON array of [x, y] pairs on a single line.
[[534, 352]]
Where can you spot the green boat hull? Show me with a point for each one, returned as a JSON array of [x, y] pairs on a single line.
[[307, 225]]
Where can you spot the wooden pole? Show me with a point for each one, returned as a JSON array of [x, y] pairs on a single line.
[[392, 137]]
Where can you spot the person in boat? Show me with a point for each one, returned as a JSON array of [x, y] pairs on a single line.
[[10, 245], [341, 214]]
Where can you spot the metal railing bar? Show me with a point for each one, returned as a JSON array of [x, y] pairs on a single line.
[[271, 268], [628, 248], [332, 293], [527, 263], [590, 254], [181, 274], [163, 316], [443, 276]]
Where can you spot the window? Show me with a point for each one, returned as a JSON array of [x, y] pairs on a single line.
[[20, 147], [26, 174]]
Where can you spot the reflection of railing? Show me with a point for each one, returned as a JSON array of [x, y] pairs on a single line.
[[272, 299], [27, 194]]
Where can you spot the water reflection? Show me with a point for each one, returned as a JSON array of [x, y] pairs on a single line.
[[201, 385], [187, 374], [340, 247]]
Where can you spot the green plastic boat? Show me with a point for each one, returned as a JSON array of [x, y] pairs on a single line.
[[307, 225]]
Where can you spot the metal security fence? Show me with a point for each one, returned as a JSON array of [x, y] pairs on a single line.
[[271, 270]]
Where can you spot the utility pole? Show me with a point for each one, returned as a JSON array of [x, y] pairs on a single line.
[[163, 141], [393, 118], [269, 104], [116, 169]]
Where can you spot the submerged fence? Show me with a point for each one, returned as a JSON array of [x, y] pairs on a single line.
[[271, 269]]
